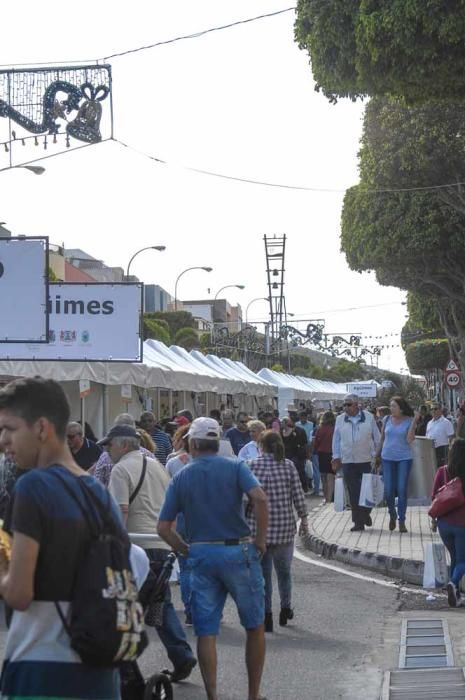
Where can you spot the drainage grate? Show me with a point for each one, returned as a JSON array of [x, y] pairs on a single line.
[[436, 684], [425, 644]]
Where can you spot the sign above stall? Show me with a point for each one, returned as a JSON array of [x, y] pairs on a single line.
[[88, 322], [23, 290], [363, 391]]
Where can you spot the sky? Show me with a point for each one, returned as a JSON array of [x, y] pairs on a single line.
[[239, 102]]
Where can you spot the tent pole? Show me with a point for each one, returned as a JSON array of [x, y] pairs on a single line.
[[104, 409]]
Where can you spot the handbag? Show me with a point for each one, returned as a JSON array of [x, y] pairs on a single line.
[[448, 498]]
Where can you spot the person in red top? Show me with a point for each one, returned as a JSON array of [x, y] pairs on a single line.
[[451, 526], [323, 446]]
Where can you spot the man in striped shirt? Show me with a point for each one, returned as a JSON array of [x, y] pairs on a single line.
[[160, 438]]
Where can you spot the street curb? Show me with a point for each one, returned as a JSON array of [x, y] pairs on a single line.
[[409, 570]]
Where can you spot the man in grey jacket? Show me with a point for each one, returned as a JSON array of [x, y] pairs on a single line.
[[355, 441]]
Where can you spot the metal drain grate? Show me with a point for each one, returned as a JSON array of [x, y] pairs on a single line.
[[435, 684], [425, 644]]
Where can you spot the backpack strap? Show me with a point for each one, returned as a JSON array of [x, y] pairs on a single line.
[[141, 481]]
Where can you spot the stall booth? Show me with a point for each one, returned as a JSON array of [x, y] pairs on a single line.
[[303, 391]]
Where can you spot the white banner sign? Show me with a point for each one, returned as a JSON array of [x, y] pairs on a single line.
[[88, 322], [363, 391], [23, 290]]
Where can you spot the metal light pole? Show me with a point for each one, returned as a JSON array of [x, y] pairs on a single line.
[[226, 286], [207, 269], [160, 248], [250, 304]]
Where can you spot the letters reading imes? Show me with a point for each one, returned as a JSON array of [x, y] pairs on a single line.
[[75, 306]]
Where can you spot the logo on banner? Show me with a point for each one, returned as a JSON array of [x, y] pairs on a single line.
[[85, 336], [68, 336]]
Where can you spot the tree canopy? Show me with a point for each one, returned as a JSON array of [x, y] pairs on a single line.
[[412, 48], [426, 355]]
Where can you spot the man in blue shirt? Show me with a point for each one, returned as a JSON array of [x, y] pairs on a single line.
[[239, 435], [219, 549]]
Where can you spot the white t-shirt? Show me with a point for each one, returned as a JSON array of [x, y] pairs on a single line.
[[440, 430], [249, 451]]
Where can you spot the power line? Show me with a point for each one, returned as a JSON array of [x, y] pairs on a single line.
[[284, 186], [203, 32]]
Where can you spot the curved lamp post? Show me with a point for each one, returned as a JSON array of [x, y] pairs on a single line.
[[228, 286], [250, 304], [207, 269], [160, 248]]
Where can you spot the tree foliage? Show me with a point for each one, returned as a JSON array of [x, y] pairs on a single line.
[[412, 48], [412, 240], [187, 338], [426, 355], [153, 329], [175, 320]]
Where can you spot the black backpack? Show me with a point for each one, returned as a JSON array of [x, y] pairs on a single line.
[[106, 625]]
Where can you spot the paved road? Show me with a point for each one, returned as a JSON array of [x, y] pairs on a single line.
[[325, 653]]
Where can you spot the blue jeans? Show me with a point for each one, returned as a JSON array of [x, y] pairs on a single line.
[[171, 632], [316, 473], [453, 537], [281, 556], [395, 475], [215, 571]]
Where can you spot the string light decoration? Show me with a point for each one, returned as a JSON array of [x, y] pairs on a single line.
[[65, 100], [346, 344]]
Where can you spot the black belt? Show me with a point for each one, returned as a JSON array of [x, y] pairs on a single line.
[[227, 543]]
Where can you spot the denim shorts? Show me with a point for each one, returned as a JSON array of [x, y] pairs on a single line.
[[216, 570]]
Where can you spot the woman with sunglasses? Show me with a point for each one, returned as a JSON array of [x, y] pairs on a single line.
[[396, 455]]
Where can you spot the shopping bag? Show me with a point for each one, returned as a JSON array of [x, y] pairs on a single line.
[[339, 495], [372, 491], [435, 571], [309, 469]]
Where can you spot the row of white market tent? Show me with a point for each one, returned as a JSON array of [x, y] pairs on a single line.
[[169, 379]]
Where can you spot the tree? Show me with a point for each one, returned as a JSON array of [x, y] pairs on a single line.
[[175, 320], [412, 48], [426, 355], [412, 240], [154, 330], [187, 338]]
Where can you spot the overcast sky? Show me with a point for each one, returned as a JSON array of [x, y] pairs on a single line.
[[239, 102]]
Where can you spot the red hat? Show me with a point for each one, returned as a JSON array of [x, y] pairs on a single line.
[[181, 420]]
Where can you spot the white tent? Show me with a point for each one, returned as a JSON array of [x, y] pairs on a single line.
[[293, 390]]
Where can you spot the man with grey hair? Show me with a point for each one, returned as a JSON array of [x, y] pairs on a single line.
[[138, 484], [355, 442], [221, 554], [85, 452]]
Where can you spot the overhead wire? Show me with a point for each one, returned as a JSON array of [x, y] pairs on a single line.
[[281, 185], [200, 33]]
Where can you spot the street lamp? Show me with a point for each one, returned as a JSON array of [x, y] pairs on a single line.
[[160, 248], [207, 269], [250, 304], [36, 169], [228, 286]]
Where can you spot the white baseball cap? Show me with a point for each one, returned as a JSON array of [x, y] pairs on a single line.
[[204, 429]]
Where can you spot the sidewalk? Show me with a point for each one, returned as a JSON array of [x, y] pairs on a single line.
[[377, 549]]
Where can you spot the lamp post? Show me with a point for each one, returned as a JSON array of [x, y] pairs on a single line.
[[36, 169], [250, 304], [207, 269], [226, 286], [160, 248]]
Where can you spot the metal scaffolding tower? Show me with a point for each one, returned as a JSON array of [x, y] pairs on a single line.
[[275, 249]]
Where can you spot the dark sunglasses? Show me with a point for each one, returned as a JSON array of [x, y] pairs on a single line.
[[70, 437], [348, 404]]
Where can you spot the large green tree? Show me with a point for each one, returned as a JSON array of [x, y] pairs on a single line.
[[413, 48], [412, 240]]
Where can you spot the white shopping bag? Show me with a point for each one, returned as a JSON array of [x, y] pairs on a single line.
[[435, 572], [372, 491], [309, 468], [339, 495]]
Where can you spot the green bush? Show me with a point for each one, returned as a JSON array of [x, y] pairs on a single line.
[[187, 338]]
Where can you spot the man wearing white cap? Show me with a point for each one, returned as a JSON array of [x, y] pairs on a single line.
[[220, 552]]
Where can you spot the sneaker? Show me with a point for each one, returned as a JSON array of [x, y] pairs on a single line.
[[184, 671], [357, 528], [453, 595], [285, 614], [268, 622], [188, 620]]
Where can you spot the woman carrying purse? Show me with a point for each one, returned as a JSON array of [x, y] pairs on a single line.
[[451, 525]]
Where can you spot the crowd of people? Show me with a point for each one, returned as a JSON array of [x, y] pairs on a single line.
[[224, 492]]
